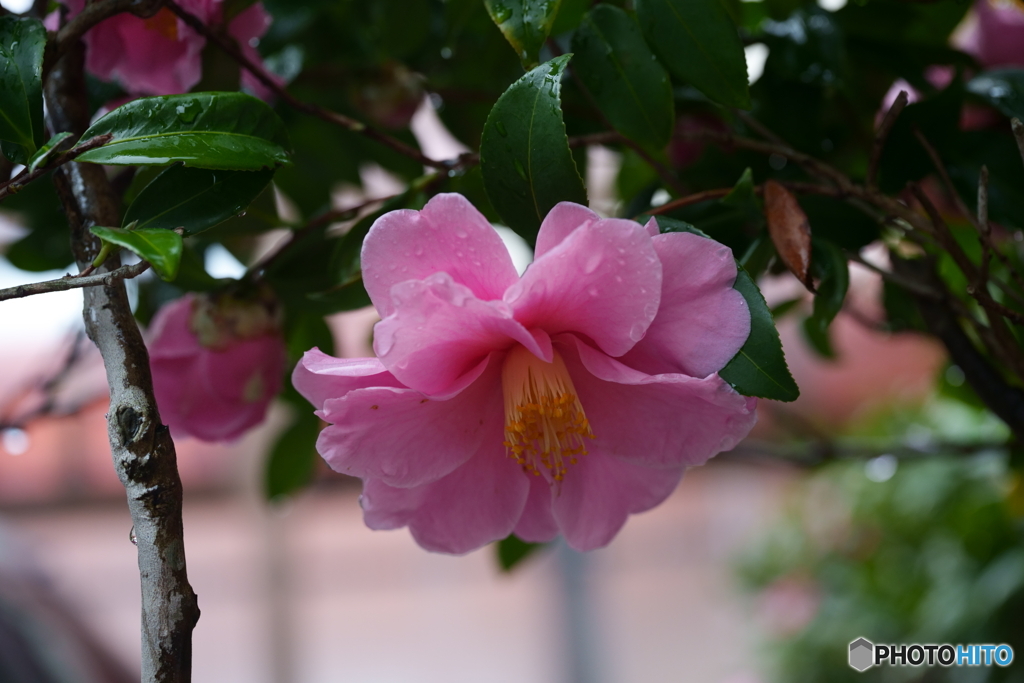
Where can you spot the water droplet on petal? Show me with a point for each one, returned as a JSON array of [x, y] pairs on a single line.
[[636, 333], [592, 262]]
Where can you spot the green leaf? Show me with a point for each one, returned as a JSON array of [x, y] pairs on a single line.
[[48, 244], [292, 461], [829, 266], [698, 42], [22, 42], [162, 248], [759, 368], [630, 87], [512, 550], [524, 153], [1002, 88], [46, 152], [525, 24], [230, 131], [817, 337], [195, 199]]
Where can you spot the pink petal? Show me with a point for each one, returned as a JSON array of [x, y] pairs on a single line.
[[661, 421], [600, 492], [170, 333], [537, 525], [474, 505], [401, 437], [319, 377], [702, 321], [448, 235], [603, 281], [252, 23], [439, 330], [559, 223]]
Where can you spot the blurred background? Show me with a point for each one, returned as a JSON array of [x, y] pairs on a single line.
[[882, 504]]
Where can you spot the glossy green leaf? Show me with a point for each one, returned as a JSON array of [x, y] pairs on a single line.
[[48, 245], [292, 460], [195, 199], [46, 152], [1002, 88], [162, 248], [512, 550], [817, 337], [698, 42], [525, 24], [759, 367], [230, 131], [22, 42], [630, 87], [524, 153]]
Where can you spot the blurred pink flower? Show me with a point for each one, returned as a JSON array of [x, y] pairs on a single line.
[[562, 401], [161, 55], [217, 362], [996, 38]]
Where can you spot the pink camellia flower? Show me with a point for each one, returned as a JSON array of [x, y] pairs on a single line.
[[161, 55], [559, 402], [217, 362], [996, 38]]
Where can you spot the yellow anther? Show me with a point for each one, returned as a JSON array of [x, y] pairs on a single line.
[[544, 421]]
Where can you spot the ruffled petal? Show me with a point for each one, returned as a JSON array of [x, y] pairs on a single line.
[[537, 525], [405, 439], [439, 330], [603, 281], [447, 235], [559, 223], [600, 492], [661, 421], [702, 321], [476, 504], [319, 377]]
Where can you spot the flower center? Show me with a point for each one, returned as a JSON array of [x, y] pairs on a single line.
[[545, 426]]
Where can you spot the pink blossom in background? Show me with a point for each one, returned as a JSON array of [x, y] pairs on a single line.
[[996, 38], [216, 363], [161, 55], [559, 402]]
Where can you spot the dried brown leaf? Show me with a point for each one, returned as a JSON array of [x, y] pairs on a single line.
[[789, 229]]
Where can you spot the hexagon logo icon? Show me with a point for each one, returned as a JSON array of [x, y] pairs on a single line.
[[862, 653]]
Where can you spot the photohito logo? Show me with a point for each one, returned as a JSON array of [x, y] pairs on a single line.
[[864, 654]]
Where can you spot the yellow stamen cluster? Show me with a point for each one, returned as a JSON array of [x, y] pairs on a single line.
[[545, 426]]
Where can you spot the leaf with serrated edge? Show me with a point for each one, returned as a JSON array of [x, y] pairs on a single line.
[[524, 153], [162, 248], [525, 24], [195, 199], [229, 131], [630, 87], [698, 42], [22, 42]]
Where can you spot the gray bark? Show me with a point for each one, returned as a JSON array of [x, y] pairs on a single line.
[[142, 449]]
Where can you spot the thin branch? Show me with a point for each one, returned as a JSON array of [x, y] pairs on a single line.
[[19, 181], [1018, 133], [1003, 399], [984, 229], [817, 452], [48, 388], [719, 192], [231, 48], [883, 133], [75, 282], [912, 286], [758, 127], [314, 224], [141, 446]]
